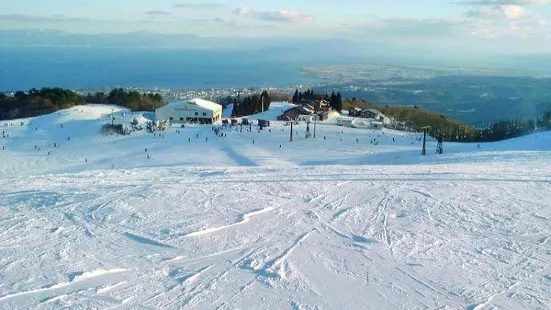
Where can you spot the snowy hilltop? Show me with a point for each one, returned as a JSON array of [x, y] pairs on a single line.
[[212, 217]]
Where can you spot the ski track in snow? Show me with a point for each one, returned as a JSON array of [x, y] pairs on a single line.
[[226, 224], [245, 218], [78, 282]]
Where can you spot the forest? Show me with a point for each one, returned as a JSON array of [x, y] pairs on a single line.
[[448, 129], [47, 100]]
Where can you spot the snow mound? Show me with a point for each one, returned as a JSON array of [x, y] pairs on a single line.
[[276, 109], [97, 273], [228, 111]]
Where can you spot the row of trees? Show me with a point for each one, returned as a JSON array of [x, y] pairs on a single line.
[[514, 128], [251, 104], [47, 100], [132, 99], [309, 94], [498, 131], [335, 100], [37, 102], [454, 130]]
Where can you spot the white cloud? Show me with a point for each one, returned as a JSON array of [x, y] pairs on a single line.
[[513, 11], [288, 16], [244, 11], [507, 11]]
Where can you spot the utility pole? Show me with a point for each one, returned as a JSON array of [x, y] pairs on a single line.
[[439, 147], [424, 150], [262, 103], [315, 122]]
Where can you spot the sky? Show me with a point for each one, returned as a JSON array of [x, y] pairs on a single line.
[[514, 25]]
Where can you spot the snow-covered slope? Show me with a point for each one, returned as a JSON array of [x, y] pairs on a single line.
[[276, 109], [353, 219]]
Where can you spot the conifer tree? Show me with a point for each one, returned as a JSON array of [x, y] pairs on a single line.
[[333, 101], [338, 106], [295, 96]]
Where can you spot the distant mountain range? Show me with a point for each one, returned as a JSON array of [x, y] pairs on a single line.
[[131, 39], [292, 48], [147, 39]]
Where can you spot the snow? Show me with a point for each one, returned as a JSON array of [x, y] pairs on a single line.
[[276, 109], [228, 111], [222, 223], [209, 105]]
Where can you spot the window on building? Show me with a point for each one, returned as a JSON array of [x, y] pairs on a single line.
[[171, 118], [204, 114], [181, 118], [196, 113]]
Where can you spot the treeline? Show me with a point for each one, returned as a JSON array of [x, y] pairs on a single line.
[[335, 100], [37, 102], [251, 104], [132, 99], [308, 95], [514, 128], [47, 100], [414, 119]]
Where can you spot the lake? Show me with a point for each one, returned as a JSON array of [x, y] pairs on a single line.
[[22, 68]]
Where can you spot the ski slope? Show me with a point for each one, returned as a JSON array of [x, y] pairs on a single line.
[[238, 222]]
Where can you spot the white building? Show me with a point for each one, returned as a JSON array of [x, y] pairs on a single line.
[[359, 122], [190, 111], [345, 121]]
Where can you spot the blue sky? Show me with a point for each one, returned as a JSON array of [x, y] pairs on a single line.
[[518, 25]]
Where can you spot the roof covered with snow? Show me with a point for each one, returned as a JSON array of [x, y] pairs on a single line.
[[276, 109], [198, 102], [373, 111]]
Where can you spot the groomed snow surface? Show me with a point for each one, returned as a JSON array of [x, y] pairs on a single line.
[[238, 222]]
